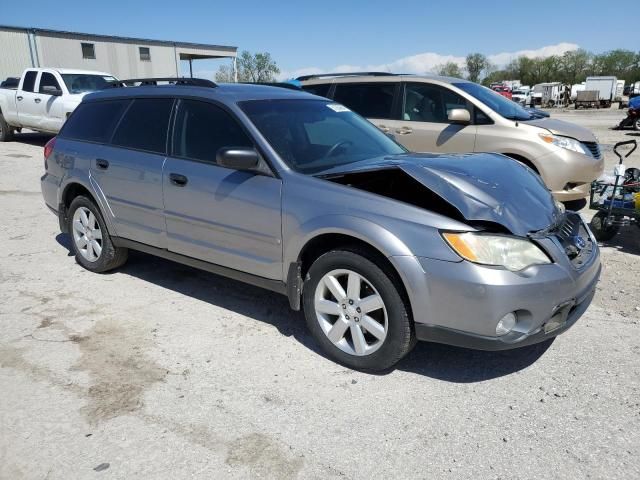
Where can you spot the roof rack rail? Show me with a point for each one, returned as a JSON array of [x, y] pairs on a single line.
[[345, 74], [195, 82], [290, 86]]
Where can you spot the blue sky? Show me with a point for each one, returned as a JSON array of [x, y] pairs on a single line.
[[318, 36]]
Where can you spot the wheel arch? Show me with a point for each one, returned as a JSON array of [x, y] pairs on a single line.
[[524, 160], [73, 189]]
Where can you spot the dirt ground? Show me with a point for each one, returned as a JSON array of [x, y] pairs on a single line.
[[161, 371]]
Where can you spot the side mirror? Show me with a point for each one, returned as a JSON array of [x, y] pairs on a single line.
[[51, 90], [460, 116], [238, 158]]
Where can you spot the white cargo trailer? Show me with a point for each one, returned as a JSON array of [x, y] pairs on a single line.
[[606, 86]]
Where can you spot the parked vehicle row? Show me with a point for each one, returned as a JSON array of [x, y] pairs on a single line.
[[44, 98], [301, 195], [438, 114]]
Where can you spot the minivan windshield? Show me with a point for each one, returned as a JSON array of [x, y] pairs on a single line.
[[494, 101], [82, 82], [316, 135]]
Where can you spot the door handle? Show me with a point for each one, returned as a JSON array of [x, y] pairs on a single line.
[[404, 131], [178, 180], [384, 128], [102, 164], [37, 100], [19, 98]]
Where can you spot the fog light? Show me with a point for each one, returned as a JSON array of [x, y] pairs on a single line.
[[506, 324]]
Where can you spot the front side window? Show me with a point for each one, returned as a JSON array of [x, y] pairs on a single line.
[[371, 100], [145, 125], [201, 129], [88, 50], [48, 80], [145, 54], [430, 103], [94, 121], [80, 82], [316, 135], [29, 82], [496, 102]]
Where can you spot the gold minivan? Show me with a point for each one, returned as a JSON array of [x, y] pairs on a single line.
[[442, 114]]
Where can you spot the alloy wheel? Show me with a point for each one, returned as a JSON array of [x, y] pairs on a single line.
[[87, 234], [351, 312]]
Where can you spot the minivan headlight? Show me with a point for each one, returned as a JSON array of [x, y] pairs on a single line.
[[567, 143], [511, 253]]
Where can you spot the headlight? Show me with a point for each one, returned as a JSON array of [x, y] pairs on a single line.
[[564, 142], [509, 252]]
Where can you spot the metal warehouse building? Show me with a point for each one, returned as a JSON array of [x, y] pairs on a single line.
[[123, 57]]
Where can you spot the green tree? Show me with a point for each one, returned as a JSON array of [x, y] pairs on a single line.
[[256, 67], [449, 69], [476, 64], [576, 65], [620, 63]]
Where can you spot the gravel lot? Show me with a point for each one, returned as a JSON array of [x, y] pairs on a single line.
[[162, 371]]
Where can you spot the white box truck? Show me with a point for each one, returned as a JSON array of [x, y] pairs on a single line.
[[606, 86]]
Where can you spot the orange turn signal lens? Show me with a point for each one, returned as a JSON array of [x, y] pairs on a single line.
[[461, 247]]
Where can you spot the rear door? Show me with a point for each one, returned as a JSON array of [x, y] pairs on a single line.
[[227, 217], [129, 170], [376, 101], [425, 126], [28, 101]]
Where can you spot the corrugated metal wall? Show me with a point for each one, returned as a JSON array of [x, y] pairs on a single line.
[[120, 57], [14, 53]]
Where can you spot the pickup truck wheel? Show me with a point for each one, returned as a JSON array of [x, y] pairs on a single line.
[[91, 242], [355, 311], [6, 132]]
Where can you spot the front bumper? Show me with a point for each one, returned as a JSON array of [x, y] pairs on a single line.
[[460, 303], [569, 174]]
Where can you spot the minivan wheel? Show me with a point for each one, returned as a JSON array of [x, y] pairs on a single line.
[[91, 242], [355, 311], [6, 132]]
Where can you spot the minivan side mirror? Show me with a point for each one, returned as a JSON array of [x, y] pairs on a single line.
[[239, 158], [460, 116], [51, 90]]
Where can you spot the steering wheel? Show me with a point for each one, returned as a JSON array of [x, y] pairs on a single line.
[[335, 147]]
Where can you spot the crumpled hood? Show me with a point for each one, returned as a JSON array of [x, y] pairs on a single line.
[[483, 187], [566, 129]]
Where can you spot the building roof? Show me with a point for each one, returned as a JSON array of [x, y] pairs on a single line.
[[114, 38]]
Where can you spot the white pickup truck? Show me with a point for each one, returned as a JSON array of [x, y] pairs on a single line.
[[45, 97]]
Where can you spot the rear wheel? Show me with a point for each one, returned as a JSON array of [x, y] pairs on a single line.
[[91, 242], [355, 311], [636, 124], [6, 132], [600, 230]]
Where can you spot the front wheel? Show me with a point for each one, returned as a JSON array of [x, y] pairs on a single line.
[[636, 124], [91, 242], [355, 311], [600, 230]]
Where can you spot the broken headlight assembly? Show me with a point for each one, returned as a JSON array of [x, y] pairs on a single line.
[[512, 253]]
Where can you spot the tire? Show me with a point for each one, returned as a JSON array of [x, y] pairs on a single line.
[[91, 230], [600, 231], [6, 132], [636, 124], [378, 295]]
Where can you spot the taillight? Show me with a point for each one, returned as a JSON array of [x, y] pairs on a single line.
[[48, 150]]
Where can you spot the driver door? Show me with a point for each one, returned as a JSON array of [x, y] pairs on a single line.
[[425, 126], [227, 217]]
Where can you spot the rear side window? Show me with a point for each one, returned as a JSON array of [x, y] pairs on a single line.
[[371, 100], [145, 125], [201, 129], [29, 83], [320, 90], [94, 122]]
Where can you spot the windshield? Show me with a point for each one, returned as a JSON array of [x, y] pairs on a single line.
[[81, 82], [494, 101], [315, 135]]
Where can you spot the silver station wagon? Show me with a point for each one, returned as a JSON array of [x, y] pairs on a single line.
[[298, 194]]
